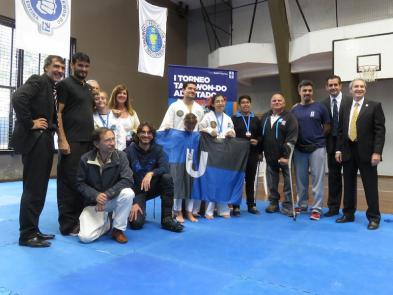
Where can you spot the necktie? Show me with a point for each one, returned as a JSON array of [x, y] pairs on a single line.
[[352, 128], [56, 103], [335, 117]]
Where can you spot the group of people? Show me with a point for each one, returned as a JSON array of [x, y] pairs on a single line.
[[109, 164]]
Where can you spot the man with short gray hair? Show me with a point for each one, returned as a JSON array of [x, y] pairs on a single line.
[[35, 108], [361, 137]]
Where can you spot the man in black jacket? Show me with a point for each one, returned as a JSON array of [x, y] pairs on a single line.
[[104, 180], [35, 109], [333, 104], [151, 177], [279, 135]]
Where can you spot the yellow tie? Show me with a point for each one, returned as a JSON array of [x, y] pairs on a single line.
[[352, 128]]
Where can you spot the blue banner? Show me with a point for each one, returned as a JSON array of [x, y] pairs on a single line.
[[205, 168], [209, 82]]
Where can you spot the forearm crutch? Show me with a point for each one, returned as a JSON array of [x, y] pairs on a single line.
[[292, 148]]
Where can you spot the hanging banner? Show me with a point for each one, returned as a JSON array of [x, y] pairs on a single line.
[[209, 82], [43, 26], [152, 38]]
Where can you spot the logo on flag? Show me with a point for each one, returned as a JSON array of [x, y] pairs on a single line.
[[153, 39], [48, 14]]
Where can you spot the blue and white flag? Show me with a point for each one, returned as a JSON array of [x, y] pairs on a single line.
[[205, 168], [152, 38], [43, 26], [176, 144]]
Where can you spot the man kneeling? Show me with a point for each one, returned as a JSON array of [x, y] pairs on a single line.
[[104, 179], [151, 176]]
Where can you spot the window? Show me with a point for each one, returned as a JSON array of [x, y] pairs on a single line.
[[16, 66]]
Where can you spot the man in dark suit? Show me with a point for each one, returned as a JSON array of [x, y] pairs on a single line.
[[333, 103], [361, 137], [35, 108]]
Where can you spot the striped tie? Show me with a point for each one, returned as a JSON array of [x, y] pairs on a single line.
[[352, 128]]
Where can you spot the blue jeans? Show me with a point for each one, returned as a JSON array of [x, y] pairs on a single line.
[[316, 162]]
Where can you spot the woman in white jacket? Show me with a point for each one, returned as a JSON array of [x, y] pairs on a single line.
[[219, 125]]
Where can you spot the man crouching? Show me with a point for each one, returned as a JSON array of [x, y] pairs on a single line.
[[104, 179], [151, 176]]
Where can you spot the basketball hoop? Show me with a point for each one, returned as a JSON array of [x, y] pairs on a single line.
[[368, 72]]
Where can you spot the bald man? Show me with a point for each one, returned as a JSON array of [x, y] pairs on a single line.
[[279, 135], [95, 87]]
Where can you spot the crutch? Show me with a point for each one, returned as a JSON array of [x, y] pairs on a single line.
[[292, 148], [256, 182]]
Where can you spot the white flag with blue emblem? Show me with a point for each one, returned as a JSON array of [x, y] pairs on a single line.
[[152, 38], [43, 26]]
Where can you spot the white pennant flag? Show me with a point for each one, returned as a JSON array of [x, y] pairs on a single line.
[[152, 38], [43, 26]]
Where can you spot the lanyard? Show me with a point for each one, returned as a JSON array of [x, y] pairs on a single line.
[[247, 124], [219, 125], [104, 124]]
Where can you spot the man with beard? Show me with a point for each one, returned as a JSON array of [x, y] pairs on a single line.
[[75, 117], [174, 118], [35, 108], [150, 165], [310, 150]]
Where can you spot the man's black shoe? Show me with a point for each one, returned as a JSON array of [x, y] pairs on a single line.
[[272, 208], [236, 212], [373, 225], [171, 224], [331, 213], [253, 210], [43, 236], [345, 218], [34, 242]]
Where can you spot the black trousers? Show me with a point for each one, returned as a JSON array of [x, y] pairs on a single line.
[[69, 201], [335, 183], [369, 176], [159, 185], [251, 170], [37, 165]]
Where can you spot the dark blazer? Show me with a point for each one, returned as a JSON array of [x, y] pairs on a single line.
[[31, 101], [109, 179], [370, 130], [330, 142]]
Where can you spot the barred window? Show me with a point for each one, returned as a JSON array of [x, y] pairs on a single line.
[[16, 66]]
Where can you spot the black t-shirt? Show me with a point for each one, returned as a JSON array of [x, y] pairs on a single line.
[[78, 109]]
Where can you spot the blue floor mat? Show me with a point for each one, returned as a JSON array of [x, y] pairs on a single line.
[[264, 254]]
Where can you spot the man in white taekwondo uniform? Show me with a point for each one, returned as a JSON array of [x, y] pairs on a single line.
[[174, 118]]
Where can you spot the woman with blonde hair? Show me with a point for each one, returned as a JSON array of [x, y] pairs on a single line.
[[120, 104], [103, 117]]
